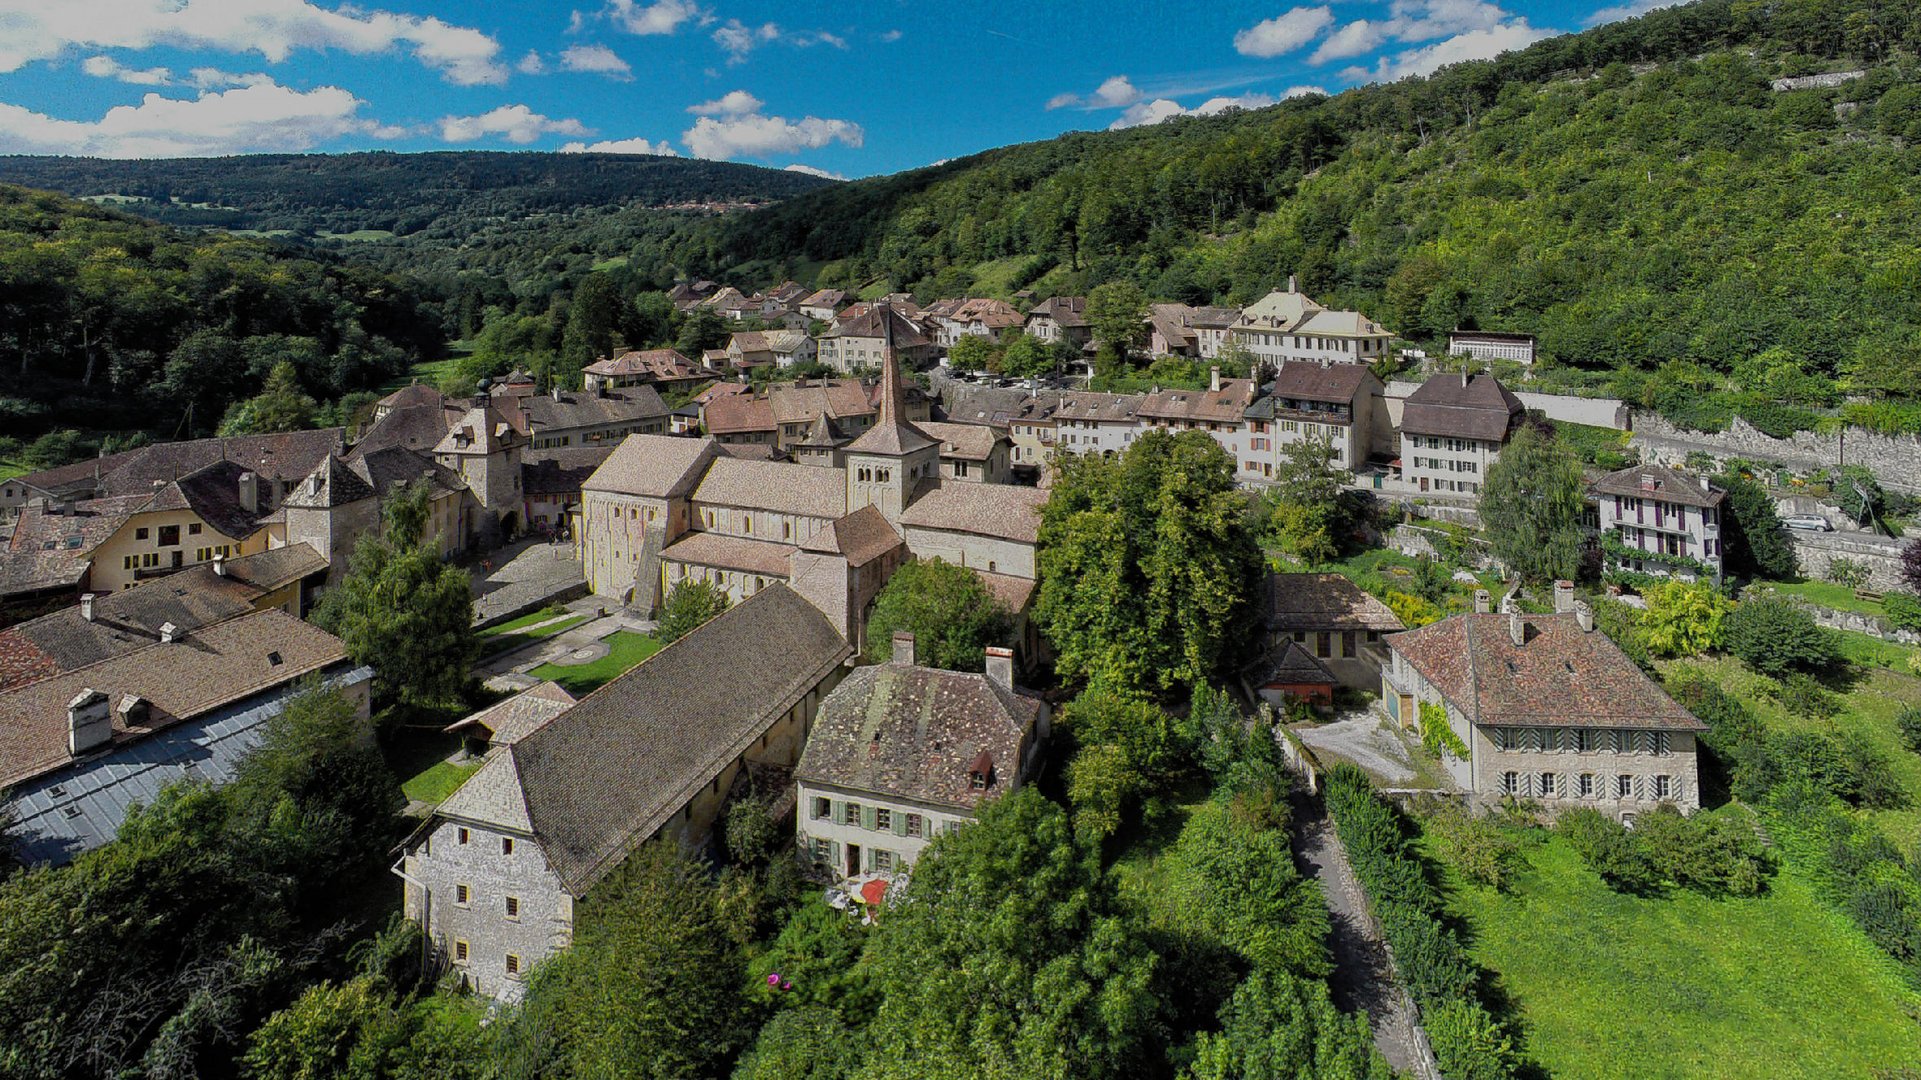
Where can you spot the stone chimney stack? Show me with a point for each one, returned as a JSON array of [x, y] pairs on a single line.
[[219, 565], [1516, 627], [1214, 379], [169, 633], [250, 492], [86, 606], [1584, 615], [1563, 597], [89, 721], [903, 647], [1000, 666], [1483, 601], [1293, 284]]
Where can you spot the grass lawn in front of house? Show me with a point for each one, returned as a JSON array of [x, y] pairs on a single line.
[[1611, 985], [625, 649], [1827, 594], [438, 781]]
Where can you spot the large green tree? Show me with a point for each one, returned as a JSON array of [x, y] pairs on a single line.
[[947, 608], [280, 406], [1531, 506], [1756, 543], [1308, 509], [404, 611], [1117, 314], [1280, 1026], [1009, 958], [1148, 567], [689, 603]]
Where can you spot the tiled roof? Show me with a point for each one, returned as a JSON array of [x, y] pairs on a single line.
[[868, 324], [381, 470], [975, 442], [1321, 382], [736, 414], [1478, 407], [50, 550], [507, 722], [414, 427], [1223, 406], [284, 457], [577, 409], [1340, 324], [656, 466], [332, 483], [749, 451], [731, 553], [1279, 309], [1173, 322], [911, 732], [1108, 408], [212, 667], [1662, 483], [1004, 511], [1214, 318], [493, 796], [859, 537], [781, 487], [1562, 677], [827, 298], [1013, 592], [1064, 310], [213, 494], [484, 429], [604, 776], [412, 395], [836, 398], [560, 470], [659, 364], [996, 406], [1323, 602], [1289, 664]]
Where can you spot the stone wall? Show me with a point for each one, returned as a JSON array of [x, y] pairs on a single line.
[[1599, 412], [1881, 556], [1895, 460]]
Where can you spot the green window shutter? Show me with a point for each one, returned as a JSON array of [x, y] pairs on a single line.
[[900, 823], [867, 817]]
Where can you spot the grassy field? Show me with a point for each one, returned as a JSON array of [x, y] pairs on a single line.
[[10, 469], [1609, 985], [521, 632], [1827, 594], [511, 626], [625, 649], [438, 781]]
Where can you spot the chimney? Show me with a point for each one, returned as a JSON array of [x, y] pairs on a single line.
[[133, 710], [1483, 601], [1563, 597], [1214, 379], [1000, 666], [250, 493], [1584, 615], [1705, 486], [169, 633], [1293, 285], [556, 391], [86, 606], [219, 565], [903, 647], [89, 721], [1516, 627]]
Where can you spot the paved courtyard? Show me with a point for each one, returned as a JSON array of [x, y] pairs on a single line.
[[522, 575], [1367, 738]]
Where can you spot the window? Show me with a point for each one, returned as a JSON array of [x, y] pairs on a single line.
[[914, 825], [193, 528], [1624, 786], [1660, 743], [823, 851], [850, 814], [462, 894], [1510, 783], [460, 952], [1584, 785], [513, 964], [883, 860], [169, 536], [513, 908], [463, 835], [1663, 787], [1550, 785], [823, 808], [506, 845], [140, 534], [883, 819]]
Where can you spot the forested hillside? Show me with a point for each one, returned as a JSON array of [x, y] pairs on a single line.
[[112, 323]]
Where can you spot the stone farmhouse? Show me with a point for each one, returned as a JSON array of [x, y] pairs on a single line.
[[659, 367], [597, 417], [1060, 318], [901, 754], [1333, 620], [1452, 429], [822, 305], [860, 339], [495, 875], [1182, 330], [1548, 709], [1287, 325], [664, 510], [1661, 521], [950, 321], [1338, 404], [1091, 423], [114, 706]]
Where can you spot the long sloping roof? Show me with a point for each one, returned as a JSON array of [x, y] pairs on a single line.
[[1323, 602], [912, 732], [859, 537], [1660, 482], [764, 557], [777, 486], [654, 466], [1478, 407], [604, 776], [1004, 511], [1562, 676], [509, 721]]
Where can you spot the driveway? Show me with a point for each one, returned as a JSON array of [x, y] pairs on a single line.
[[1364, 737]]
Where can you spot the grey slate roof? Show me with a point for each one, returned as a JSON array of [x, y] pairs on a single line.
[[1477, 408], [914, 733], [604, 776], [1323, 602], [1289, 664], [654, 466], [1660, 482]]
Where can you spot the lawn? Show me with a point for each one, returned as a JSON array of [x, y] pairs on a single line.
[[438, 781], [625, 649], [10, 469], [551, 611], [1610, 985], [1827, 594]]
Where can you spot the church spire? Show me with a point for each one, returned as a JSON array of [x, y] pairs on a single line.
[[889, 371]]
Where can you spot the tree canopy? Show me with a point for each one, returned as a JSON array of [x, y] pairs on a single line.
[[1531, 506], [947, 608]]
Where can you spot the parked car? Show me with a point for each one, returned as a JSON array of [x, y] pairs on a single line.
[[1809, 522]]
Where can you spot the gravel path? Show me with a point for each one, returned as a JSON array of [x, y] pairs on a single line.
[[1363, 977]]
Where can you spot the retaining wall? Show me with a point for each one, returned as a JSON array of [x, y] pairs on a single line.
[[1895, 460]]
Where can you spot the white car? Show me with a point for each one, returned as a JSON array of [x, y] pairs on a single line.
[[1809, 522]]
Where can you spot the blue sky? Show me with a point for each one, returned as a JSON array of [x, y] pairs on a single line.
[[849, 89]]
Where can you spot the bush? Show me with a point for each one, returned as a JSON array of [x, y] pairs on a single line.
[[1908, 722], [1609, 850], [1717, 853], [1483, 851], [1903, 611], [689, 603], [1851, 573], [1683, 619], [1800, 694], [1468, 1043], [1774, 636]]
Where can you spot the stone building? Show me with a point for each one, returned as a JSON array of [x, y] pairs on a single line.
[[1452, 429], [1490, 346], [1548, 709], [1661, 521], [1331, 403], [1333, 620], [1287, 325], [1060, 318], [902, 753], [1091, 423], [495, 875]]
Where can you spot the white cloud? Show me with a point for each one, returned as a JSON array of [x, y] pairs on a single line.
[[1283, 33], [1357, 37], [1153, 112], [811, 171], [1628, 11], [753, 135], [32, 30], [209, 78], [621, 146], [890, 36], [262, 117], [739, 39], [732, 103], [531, 64], [598, 59], [514, 123], [106, 67], [1425, 20], [1474, 45], [661, 17], [1114, 93]]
